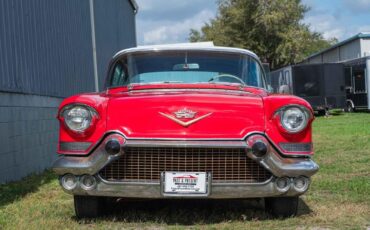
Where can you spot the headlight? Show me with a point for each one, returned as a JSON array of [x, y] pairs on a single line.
[[294, 119], [78, 117]]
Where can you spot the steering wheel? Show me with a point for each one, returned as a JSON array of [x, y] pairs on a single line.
[[227, 75]]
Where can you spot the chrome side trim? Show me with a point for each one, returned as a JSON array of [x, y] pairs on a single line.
[[290, 167]]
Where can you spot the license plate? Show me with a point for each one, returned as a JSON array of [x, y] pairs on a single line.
[[185, 182]]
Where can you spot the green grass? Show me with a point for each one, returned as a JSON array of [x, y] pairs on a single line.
[[339, 197]]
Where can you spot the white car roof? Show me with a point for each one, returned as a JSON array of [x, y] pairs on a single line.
[[196, 46]]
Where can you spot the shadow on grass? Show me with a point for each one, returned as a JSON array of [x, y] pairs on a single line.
[[189, 212], [16, 190], [334, 112]]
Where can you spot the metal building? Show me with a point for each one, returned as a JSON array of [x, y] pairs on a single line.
[[357, 46], [51, 49]]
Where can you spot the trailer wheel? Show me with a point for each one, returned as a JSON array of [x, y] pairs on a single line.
[[349, 108], [321, 112]]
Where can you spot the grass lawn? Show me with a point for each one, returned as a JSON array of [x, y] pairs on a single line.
[[339, 197]]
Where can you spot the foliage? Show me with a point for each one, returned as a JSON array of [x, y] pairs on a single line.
[[271, 28]]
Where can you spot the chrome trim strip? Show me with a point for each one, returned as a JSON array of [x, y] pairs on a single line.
[[183, 139], [152, 191], [182, 143], [156, 183], [159, 90], [157, 48]]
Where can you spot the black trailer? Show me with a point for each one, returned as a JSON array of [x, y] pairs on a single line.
[[357, 81], [322, 85]]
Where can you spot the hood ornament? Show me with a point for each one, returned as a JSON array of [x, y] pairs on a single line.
[[184, 113]]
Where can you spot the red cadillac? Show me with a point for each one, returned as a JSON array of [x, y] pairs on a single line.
[[185, 122]]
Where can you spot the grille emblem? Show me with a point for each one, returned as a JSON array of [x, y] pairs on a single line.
[[184, 113]]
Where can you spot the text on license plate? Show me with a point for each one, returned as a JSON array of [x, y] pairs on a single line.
[[184, 182]]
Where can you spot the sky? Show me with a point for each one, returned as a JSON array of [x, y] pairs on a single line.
[[170, 21]]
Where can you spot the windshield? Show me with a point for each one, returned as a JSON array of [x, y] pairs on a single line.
[[186, 67]]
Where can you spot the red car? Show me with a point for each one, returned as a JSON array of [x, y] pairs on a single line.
[[185, 122]]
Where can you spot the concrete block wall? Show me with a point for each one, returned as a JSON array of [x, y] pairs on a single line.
[[28, 134]]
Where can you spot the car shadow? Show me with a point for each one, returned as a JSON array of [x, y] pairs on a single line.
[[189, 212]]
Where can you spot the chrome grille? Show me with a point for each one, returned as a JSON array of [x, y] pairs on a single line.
[[144, 164]]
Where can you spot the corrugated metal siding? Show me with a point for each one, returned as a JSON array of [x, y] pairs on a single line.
[[331, 56], [45, 45], [315, 59], [115, 30], [350, 50]]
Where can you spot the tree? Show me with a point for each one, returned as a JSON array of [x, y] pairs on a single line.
[[271, 28]]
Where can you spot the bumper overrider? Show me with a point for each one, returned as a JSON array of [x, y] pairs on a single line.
[[79, 175]]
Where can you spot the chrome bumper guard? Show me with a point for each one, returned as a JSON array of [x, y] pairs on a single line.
[[272, 161]]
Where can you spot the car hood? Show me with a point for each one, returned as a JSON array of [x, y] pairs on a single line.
[[185, 115]]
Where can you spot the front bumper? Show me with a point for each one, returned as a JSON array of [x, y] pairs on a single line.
[[91, 165]]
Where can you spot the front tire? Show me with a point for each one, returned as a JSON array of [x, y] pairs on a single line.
[[282, 206], [88, 206]]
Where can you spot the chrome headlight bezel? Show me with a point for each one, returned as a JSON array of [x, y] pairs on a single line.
[[303, 114], [78, 117]]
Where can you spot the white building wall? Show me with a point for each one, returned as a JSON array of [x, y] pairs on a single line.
[[351, 50], [365, 47]]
